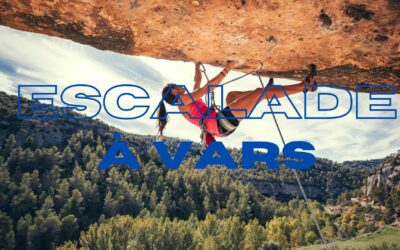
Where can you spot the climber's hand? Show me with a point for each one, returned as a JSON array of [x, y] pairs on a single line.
[[230, 64]]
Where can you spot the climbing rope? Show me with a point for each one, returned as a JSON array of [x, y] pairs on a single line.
[[210, 100], [295, 171], [271, 45]]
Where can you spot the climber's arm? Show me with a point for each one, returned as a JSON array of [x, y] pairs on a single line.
[[197, 77], [201, 91]]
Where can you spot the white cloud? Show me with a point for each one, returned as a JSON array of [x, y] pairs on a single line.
[[27, 58], [6, 83]]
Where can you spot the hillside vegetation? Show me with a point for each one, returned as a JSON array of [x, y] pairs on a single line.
[[52, 194], [387, 238]]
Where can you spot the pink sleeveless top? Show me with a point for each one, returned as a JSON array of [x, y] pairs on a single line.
[[197, 112]]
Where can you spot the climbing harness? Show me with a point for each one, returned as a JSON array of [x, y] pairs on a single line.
[[211, 102]]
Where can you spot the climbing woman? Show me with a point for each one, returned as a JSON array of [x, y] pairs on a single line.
[[237, 102]]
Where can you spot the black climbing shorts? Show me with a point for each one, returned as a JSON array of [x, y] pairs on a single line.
[[229, 125]]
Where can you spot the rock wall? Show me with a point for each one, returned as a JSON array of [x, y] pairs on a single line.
[[387, 175], [352, 41], [285, 191]]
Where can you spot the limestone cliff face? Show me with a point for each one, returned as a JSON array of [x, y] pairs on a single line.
[[387, 175], [285, 191], [352, 41]]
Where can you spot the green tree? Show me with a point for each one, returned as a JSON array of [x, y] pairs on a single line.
[[7, 235], [69, 227], [75, 204], [379, 194], [232, 234], [22, 231], [44, 233], [310, 237], [254, 235], [9, 145], [208, 228], [5, 182], [278, 230]]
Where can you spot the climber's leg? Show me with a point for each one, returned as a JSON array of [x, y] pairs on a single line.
[[197, 76], [246, 100], [233, 96]]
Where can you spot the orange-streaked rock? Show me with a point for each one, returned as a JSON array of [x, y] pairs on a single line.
[[351, 43]]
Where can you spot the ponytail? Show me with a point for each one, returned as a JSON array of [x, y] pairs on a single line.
[[169, 98], [162, 120]]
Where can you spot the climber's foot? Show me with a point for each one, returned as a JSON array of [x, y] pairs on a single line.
[[312, 70], [270, 82], [310, 79], [231, 63]]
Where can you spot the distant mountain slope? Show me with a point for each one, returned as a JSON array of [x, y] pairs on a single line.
[[327, 179], [51, 190], [56, 133]]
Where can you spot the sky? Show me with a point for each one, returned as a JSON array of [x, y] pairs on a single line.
[[28, 58]]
